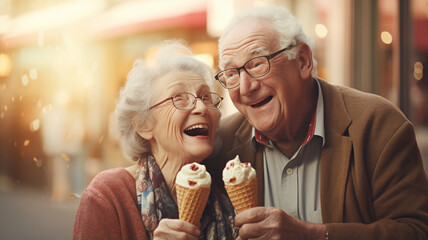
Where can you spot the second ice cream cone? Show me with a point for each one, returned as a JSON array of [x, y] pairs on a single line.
[[241, 184], [243, 196]]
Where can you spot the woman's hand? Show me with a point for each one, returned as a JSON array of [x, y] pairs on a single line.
[[176, 229]]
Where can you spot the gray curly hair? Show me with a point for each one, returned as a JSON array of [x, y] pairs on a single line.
[[283, 22], [132, 108]]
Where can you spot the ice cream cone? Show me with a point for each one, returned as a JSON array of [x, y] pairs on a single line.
[[191, 203], [240, 182], [243, 196], [192, 189]]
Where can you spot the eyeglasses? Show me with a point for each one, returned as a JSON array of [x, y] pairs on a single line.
[[255, 67], [187, 101]]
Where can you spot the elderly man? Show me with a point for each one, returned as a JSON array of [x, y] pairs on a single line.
[[332, 162]]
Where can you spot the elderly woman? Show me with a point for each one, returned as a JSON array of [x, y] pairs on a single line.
[[167, 116]]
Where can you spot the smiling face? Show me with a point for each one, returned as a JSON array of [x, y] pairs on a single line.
[[272, 103], [185, 134]]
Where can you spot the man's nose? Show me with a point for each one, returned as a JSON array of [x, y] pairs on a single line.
[[247, 84]]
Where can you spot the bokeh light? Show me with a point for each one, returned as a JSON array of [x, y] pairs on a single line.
[[321, 30], [386, 37], [5, 65], [418, 70]]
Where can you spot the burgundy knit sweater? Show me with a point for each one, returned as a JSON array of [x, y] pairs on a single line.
[[108, 208]]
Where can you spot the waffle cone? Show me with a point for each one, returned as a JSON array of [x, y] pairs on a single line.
[[243, 196], [191, 203]]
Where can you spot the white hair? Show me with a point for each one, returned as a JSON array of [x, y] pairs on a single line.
[[283, 22], [132, 108]]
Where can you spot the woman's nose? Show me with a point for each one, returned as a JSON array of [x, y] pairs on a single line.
[[200, 107]]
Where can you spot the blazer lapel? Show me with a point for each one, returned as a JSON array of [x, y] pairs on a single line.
[[335, 160], [336, 154], [242, 144]]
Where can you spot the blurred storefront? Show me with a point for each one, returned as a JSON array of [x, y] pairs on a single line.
[[62, 64]]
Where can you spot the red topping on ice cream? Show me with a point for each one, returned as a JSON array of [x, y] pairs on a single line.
[[194, 167], [236, 172], [193, 175]]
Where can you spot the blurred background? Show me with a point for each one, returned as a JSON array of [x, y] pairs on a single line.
[[63, 62]]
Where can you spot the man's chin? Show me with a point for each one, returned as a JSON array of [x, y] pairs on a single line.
[[263, 123]]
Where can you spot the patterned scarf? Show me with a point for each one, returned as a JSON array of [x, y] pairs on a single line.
[[155, 203]]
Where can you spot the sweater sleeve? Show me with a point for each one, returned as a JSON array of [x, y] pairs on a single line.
[[95, 218], [108, 208]]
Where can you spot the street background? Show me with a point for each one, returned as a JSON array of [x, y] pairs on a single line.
[[63, 62]]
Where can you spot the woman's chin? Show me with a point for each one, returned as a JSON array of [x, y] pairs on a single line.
[[197, 153]]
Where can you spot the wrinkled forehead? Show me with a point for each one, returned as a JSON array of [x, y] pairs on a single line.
[[247, 39]]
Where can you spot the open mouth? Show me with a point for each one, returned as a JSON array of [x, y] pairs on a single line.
[[259, 104], [197, 130]]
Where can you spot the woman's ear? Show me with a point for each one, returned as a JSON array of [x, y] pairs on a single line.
[[145, 130], [304, 56]]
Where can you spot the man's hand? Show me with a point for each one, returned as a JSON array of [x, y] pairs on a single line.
[[176, 229], [273, 223]]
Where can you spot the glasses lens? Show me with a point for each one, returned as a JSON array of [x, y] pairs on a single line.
[[211, 100], [257, 67], [183, 100], [229, 77]]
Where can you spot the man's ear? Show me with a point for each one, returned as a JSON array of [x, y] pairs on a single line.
[[145, 130], [304, 56]]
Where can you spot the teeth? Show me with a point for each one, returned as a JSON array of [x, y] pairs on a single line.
[[203, 126]]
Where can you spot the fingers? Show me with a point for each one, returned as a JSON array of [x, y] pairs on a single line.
[[252, 230], [250, 223], [176, 229], [183, 226], [261, 223], [251, 215]]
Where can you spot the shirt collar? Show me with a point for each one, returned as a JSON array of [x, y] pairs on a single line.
[[316, 127]]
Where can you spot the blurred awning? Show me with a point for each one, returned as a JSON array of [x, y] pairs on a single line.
[[140, 16], [95, 20]]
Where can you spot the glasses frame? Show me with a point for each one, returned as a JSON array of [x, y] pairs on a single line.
[[268, 57], [194, 102]]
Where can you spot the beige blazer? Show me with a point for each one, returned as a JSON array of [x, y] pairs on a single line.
[[373, 185]]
